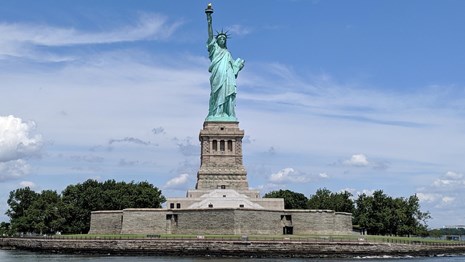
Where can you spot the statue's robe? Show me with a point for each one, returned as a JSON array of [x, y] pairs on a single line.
[[223, 71]]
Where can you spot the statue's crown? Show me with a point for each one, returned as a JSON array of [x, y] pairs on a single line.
[[223, 33]]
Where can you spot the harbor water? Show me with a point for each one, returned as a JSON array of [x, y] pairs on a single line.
[[23, 256]]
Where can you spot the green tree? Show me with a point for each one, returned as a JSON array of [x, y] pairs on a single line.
[[19, 202], [81, 199], [5, 229], [292, 200], [321, 199], [48, 212], [383, 215], [446, 232], [382, 222], [372, 213], [45, 213], [363, 211], [32, 212], [415, 218], [343, 202], [325, 199]]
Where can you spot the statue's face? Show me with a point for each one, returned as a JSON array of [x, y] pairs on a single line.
[[221, 41]]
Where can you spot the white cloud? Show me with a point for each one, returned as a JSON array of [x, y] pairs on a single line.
[[158, 130], [16, 139], [13, 169], [187, 147], [447, 199], [27, 184], [445, 195], [323, 175], [359, 160], [19, 39], [428, 197], [450, 180], [368, 192], [266, 188], [132, 140], [87, 158], [147, 27], [178, 182], [289, 175], [282, 175], [352, 191], [348, 189], [334, 117], [437, 200], [17, 143], [239, 30], [442, 182], [453, 176], [125, 163]]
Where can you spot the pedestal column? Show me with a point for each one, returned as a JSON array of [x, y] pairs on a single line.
[[221, 157]]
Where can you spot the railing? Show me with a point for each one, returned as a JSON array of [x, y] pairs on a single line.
[[284, 238]]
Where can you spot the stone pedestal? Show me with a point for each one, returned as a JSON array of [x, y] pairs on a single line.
[[221, 157], [222, 178]]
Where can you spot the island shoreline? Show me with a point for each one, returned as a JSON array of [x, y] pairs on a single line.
[[228, 248]]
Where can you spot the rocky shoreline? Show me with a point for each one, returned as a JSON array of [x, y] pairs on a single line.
[[227, 248]]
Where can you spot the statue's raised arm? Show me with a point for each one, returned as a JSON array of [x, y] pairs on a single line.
[[209, 12], [224, 70]]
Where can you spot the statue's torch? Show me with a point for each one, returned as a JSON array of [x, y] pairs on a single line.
[[209, 9]]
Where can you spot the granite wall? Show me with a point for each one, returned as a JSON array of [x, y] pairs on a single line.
[[227, 221], [145, 221], [229, 248], [106, 222]]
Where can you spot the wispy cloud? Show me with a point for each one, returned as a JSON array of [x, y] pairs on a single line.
[[19, 39], [158, 130], [355, 193], [29, 184], [268, 187], [17, 140], [308, 118], [438, 200], [445, 192], [359, 160], [13, 169], [377, 121], [148, 26], [87, 158], [290, 175], [239, 30], [131, 140], [450, 180], [187, 147], [179, 182], [18, 143], [282, 88], [125, 163]]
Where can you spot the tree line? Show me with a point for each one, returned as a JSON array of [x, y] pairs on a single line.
[[68, 212], [378, 214], [49, 212], [447, 232]]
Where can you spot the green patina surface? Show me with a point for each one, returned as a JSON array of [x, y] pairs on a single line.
[[224, 70]]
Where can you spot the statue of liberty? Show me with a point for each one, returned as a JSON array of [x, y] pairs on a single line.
[[224, 70]]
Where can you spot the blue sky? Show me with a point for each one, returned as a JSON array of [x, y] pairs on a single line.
[[347, 95]]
